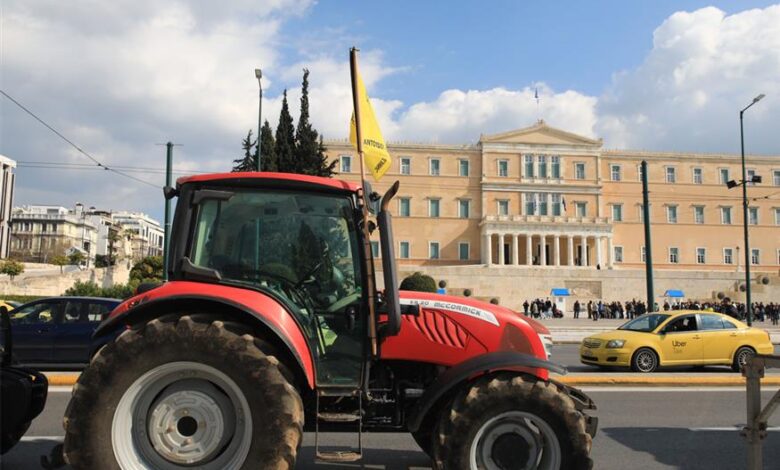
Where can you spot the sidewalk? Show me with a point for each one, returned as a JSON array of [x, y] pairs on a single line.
[[570, 330]]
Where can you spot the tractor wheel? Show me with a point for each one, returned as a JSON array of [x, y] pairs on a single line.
[[741, 358], [424, 439], [512, 422], [183, 392]]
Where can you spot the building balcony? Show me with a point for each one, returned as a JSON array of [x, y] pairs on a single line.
[[543, 219]]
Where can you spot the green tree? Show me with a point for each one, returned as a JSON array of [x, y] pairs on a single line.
[[84, 289], [268, 148], [249, 161], [310, 156], [419, 282], [149, 269], [60, 260], [12, 268], [76, 258], [285, 139]]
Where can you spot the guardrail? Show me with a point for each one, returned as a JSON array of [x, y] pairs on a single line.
[[757, 418]]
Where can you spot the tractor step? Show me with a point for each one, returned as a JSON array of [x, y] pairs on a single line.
[[338, 417], [339, 456]]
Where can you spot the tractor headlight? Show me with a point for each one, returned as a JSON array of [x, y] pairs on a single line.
[[615, 343]]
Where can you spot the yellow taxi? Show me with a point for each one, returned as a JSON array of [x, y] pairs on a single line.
[[678, 338]]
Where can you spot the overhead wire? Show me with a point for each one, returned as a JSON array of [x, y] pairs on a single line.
[[97, 162]]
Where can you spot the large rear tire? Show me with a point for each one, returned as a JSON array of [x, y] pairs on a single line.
[[183, 392], [512, 422]]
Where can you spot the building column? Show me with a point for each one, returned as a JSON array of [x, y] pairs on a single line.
[[501, 249], [598, 241], [557, 251], [529, 256], [489, 248], [570, 240], [515, 254], [543, 250], [584, 245], [611, 253]]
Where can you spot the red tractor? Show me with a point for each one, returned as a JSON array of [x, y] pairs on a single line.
[[270, 325]]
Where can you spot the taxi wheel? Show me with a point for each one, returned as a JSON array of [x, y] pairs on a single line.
[[645, 360], [741, 358]]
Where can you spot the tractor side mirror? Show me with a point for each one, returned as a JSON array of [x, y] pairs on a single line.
[[392, 301]]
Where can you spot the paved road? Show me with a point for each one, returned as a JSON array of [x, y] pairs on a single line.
[[652, 428]]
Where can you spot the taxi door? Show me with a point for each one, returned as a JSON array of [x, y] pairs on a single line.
[[681, 341], [718, 342]]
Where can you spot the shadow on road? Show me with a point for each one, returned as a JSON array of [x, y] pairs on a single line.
[[690, 449]]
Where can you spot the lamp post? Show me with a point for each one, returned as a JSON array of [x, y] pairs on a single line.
[[259, 76], [744, 183]]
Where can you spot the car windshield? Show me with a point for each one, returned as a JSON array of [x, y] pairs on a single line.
[[645, 323]]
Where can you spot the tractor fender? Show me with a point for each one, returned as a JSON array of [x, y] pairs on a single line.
[[476, 366], [143, 312]]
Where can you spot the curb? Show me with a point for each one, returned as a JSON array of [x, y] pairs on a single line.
[[579, 379]]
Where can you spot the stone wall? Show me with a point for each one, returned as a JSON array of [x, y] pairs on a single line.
[[46, 280], [513, 285]]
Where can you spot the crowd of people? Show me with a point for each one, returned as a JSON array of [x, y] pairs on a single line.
[[598, 309]]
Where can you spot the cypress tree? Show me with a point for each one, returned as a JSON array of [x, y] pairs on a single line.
[[249, 161], [309, 150], [267, 148], [285, 139]]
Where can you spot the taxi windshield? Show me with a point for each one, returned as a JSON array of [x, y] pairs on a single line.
[[646, 323]]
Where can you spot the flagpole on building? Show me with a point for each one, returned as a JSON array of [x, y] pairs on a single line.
[[366, 233]]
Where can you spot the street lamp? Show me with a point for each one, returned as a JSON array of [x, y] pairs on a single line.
[[744, 182], [259, 76]]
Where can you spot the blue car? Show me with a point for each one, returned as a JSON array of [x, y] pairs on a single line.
[[56, 332]]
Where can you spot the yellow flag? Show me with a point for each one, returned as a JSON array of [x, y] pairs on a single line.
[[374, 148]]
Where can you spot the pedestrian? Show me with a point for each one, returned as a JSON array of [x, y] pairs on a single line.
[[576, 309], [525, 307], [534, 310], [599, 313], [590, 309]]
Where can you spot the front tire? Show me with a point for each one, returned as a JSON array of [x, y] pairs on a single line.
[[178, 393], [512, 421], [741, 358], [645, 360]]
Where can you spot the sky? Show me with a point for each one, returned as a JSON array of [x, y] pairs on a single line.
[[119, 78]]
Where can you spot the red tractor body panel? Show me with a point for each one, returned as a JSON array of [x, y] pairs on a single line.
[[326, 183], [450, 330], [259, 304]]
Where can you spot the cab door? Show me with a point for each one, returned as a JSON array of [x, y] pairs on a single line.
[[681, 341], [33, 329], [718, 342]]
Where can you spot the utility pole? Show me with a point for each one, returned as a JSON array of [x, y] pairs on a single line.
[[648, 242], [259, 76], [167, 227]]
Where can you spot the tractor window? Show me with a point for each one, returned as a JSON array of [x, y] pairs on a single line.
[[304, 249]]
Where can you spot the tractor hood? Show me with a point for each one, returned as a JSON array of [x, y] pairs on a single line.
[[447, 329]]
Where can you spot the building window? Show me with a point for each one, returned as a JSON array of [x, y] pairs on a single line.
[[617, 212], [750, 174], [671, 174], [755, 256], [674, 255], [777, 215], [614, 171], [556, 204], [434, 167], [724, 175], [463, 251], [753, 215], [579, 171], [375, 249], [776, 177], [701, 255], [529, 166], [503, 168], [639, 172], [530, 203], [542, 203], [542, 166], [728, 256], [671, 214], [433, 207], [433, 250], [725, 215], [698, 177], [404, 207], [555, 166], [698, 214], [618, 255], [582, 209], [503, 207], [346, 163], [403, 250], [643, 254], [464, 206], [406, 166], [463, 167]]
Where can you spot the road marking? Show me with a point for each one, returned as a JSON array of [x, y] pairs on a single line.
[[666, 389], [730, 428], [60, 389], [42, 438]]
